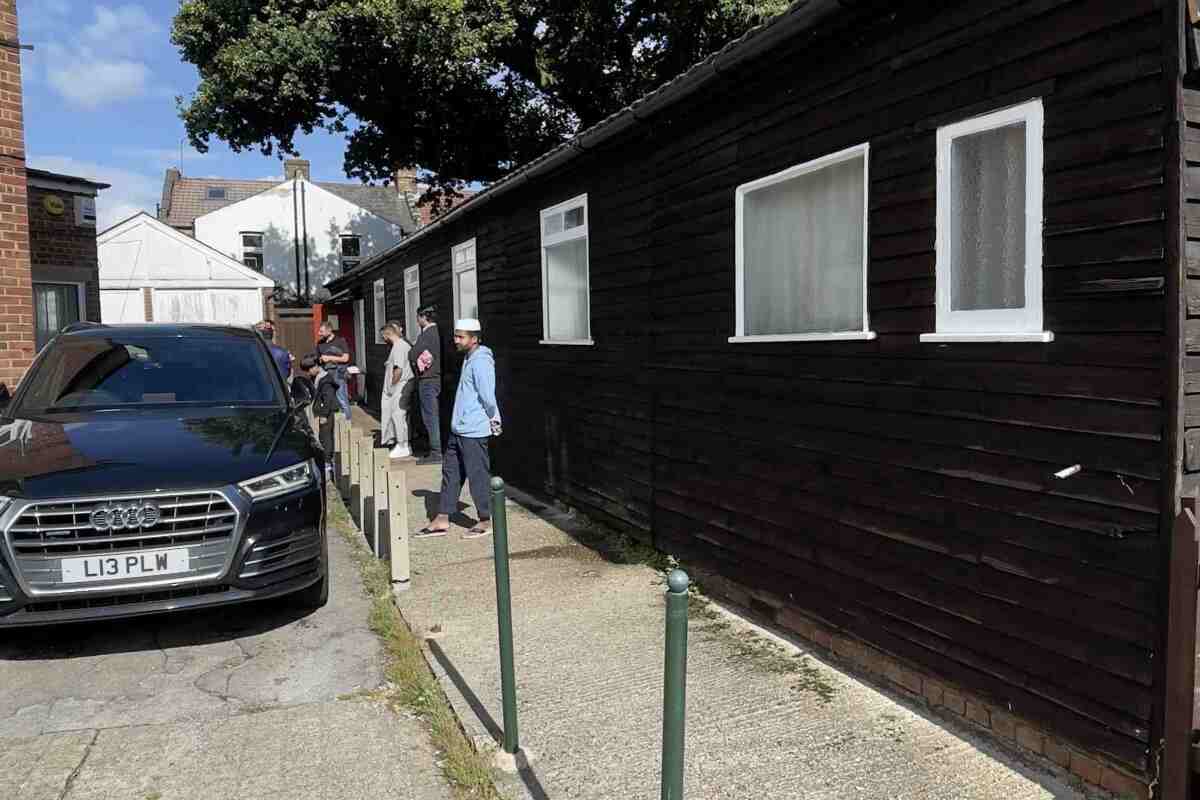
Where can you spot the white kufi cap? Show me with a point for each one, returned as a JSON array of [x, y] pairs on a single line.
[[469, 325]]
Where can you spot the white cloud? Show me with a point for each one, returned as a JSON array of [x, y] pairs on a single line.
[[88, 81], [101, 65], [131, 191], [120, 29]]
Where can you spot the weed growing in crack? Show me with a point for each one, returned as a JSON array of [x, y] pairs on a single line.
[[411, 686]]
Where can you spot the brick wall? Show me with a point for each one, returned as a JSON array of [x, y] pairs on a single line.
[[16, 293], [60, 250]]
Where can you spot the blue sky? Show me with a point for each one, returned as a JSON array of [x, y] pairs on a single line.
[[100, 90]]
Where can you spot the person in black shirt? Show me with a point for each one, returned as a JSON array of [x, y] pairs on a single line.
[[335, 356], [325, 403], [426, 360]]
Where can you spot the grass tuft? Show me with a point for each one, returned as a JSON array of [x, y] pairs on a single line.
[[411, 685]]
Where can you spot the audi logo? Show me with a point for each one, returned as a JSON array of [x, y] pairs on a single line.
[[120, 516]]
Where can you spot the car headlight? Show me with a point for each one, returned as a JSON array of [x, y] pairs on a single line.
[[280, 482]]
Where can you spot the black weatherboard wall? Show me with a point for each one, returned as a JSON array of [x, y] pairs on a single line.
[[899, 491]]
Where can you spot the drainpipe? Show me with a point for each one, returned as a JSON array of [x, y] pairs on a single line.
[[296, 237], [304, 227]]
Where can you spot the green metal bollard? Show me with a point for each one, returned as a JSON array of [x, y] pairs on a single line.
[[504, 616], [675, 685]]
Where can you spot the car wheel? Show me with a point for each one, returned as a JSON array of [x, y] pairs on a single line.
[[316, 595]]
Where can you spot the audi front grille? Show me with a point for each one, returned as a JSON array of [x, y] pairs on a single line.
[[44, 533]]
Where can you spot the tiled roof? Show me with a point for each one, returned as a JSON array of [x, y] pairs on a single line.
[[189, 198]]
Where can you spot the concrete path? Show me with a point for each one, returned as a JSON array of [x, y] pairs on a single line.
[[763, 721], [246, 703]]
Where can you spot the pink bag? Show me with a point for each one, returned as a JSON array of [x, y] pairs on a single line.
[[424, 361]]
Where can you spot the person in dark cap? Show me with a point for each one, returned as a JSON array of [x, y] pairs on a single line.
[[426, 360], [475, 421]]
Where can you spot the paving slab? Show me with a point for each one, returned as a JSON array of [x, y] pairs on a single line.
[[588, 640], [251, 701]]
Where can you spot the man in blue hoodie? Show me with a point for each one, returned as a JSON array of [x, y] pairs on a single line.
[[476, 419]]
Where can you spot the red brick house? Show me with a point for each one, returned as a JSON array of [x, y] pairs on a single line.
[[48, 264], [16, 282]]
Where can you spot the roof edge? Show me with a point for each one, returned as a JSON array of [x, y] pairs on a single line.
[[802, 16]]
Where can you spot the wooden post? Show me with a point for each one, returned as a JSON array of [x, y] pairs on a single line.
[[398, 529], [355, 478], [344, 464], [382, 463], [339, 450], [366, 494]]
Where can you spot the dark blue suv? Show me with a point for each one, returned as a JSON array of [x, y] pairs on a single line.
[[149, 468]]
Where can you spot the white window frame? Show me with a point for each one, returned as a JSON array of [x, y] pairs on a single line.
[[862, 151], [253, 251], [349, 262], [456, 270], [998, 324], [580, 232], [379, 306], [412, 280]]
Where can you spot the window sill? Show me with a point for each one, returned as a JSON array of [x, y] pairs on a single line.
[[568, 342], [851, 336], [1036, 336]]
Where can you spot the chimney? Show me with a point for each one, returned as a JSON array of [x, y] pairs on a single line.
[[405, 179], [296, 168], [169, 180]]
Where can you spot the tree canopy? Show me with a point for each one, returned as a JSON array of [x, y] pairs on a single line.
[[463, 89]]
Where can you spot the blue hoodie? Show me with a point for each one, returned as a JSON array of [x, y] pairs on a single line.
[[475, 403]]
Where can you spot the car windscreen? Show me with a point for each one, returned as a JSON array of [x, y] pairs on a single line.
[[91, 372]]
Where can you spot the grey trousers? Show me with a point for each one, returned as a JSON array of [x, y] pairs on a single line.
[[467, 459]]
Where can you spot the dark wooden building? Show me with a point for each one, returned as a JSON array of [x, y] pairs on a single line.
[[880, 313]]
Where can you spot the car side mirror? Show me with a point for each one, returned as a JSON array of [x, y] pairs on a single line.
[[302, 393], [5, 398]]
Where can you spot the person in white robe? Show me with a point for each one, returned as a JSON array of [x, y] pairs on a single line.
[[398, 387]]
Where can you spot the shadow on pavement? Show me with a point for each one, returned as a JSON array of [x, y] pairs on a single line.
[[528, 776], [151, 632]]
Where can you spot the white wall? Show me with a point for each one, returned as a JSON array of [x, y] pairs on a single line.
[[325, 216]]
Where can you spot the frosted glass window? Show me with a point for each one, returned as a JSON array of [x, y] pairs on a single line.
[[802, 253], [990, 187], [379, 296], [566, 300], [412, 302], [988, 220], [468, 295], [466, 291], [566, 287]]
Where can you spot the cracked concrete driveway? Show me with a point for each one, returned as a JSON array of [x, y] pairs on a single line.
[[247, 702]]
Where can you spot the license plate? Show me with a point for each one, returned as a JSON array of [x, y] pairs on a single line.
[[146, 564]]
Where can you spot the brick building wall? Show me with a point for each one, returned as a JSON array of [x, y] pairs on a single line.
[[62, 251], [16, 292]]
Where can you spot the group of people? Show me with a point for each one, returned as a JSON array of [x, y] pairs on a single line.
[[412, 380]]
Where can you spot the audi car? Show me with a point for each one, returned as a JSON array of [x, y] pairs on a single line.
[[153, 468]]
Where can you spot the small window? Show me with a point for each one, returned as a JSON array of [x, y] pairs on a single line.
[[351, 247], [466, 288], [252, 250], [412, 301], [801, 252], [380, 307], [566, 304], [216, 193], [989, 228]]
